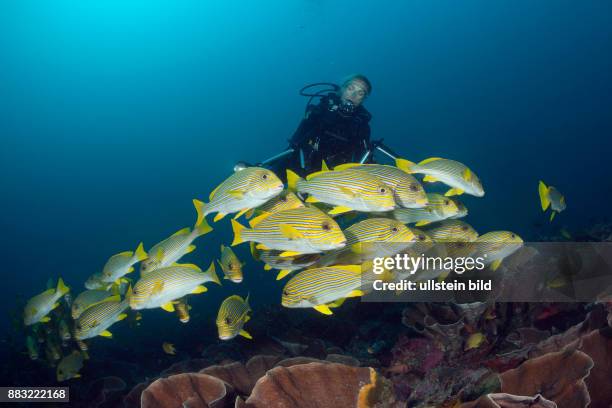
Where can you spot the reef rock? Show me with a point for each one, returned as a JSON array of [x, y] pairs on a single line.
[[321, 385], [191, 390]]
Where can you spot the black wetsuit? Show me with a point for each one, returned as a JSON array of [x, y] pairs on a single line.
[[327, 133]]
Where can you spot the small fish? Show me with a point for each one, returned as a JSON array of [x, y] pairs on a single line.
[[450, 172], [98, 318], [230, 264], [286, 200], [297, 231], [407, 191], [70, 366], [439, 208], [452, 231], [286, 264], [369, 239], [182, 310], [233, 314], [32, 346], [347, 190], [161, 287], [169, 348], [38, 307], [96, 282], [240, 192], [86, 299], [494, 246], [474, 341], [52, 352], [319, 288], [63, 330], [173, 248], [551, 197], [121, 264]]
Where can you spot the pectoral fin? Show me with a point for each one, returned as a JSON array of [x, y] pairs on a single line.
[[312, 199], [241, 213], [290, 232], [238, 194], [347, 191], [267, 267], [121, 316], [45, 319], [355, 293], [287, 254], [262, 247], [282, 274], [157, 287], [107, 334], [430, 179], [190, 248], [421, 223], [454, 191], [495, 264], [467, 174]]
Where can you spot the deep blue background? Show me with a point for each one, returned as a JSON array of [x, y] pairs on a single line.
[[114, 114]]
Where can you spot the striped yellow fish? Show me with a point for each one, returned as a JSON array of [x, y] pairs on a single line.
[[551, 197], [159, 288], [347, 190], [243, 190], [438, 209], [70, 366], [95, 282], [450, 172], [121, 264], [297, 231], [494, 246], [320, 287], [38, 307], [286, 200], [285, 264], [407, 191], [173, 248], [32, 346], [86, 299], [182, 310], [230, 264], [452, 231], [98, 318], [369, 239], [233, 314]]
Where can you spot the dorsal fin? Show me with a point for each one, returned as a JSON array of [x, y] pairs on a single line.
[[429, 160]]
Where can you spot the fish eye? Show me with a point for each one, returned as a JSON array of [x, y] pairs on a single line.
[[446, 202], [413, 187], [227, 320], [326, 226], [394, 229], [464, 228], [513, 236], [264, 176], [421, 237], [285, 293], [383, 190]]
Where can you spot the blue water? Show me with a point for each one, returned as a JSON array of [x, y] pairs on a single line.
[[114, 115]]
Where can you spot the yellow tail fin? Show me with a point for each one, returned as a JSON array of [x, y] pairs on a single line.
[[544, 198], [61, 287], [238, 230], [140, 253], [212, 273], [202, 226], [404, 165], [292, 179], [199, 206]]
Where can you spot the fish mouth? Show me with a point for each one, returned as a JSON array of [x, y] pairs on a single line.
[[236, 280], [225, 337]]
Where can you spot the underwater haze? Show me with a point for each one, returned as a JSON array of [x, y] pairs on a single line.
[[114, 115]]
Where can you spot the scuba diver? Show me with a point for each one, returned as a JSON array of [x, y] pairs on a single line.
[[336, 130]]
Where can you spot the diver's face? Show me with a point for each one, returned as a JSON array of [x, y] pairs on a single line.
[[355, 91]]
